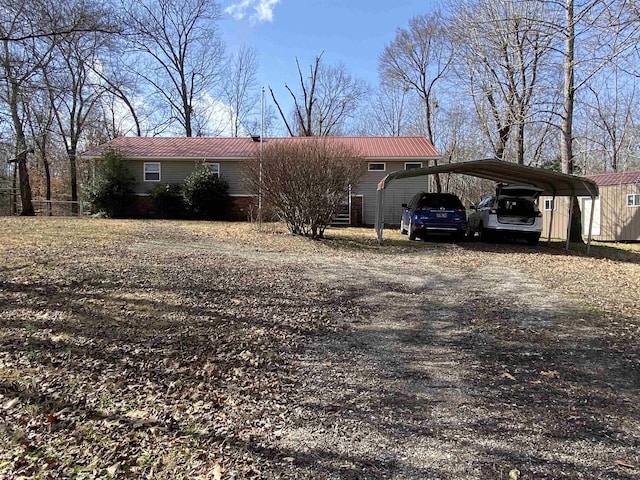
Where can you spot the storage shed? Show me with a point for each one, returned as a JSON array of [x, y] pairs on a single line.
[[616, 215]]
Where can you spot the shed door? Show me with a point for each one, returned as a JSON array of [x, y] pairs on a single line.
[[586, 213]]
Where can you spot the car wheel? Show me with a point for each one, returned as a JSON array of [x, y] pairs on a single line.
[[533, 240], [403, 230], [484, 234], [412, 233]]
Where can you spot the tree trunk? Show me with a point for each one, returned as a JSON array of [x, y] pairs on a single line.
[[21, 149], [25, 185], [23, 172], [437, 178], [575, 233], [73, 174], [47, 177], [520, 144], [566, 127], [188, 131]]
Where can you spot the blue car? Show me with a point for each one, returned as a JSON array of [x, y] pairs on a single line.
[[434, 213]]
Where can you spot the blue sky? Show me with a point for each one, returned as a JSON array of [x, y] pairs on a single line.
[[352, 32]]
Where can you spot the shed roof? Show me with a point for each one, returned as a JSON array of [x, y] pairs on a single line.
[[618, 178], [241, 147]]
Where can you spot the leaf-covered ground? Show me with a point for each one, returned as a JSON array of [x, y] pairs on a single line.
[[142, 349]]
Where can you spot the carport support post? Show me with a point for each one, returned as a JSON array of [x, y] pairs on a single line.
[[553, 207], [570, 220], [380, 215]]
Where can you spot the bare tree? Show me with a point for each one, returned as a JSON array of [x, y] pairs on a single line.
[[122, 87], [611, 114], [391, 108], [52, 19], [39, 118], [503, 45], [75, 92], [417, 59], [326, 99], [22, 56], [588, 29], [181, 41], [29, 30], [241, 89]]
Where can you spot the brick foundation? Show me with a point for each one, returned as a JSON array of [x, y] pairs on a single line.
[[241, 209], [141, 207]]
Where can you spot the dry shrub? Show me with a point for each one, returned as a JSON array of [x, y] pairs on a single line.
[[303, 181]]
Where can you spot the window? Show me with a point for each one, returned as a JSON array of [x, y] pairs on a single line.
[[152, 171], [485, 202], [633, 200], [377, 167], [412, 165], [549, 205], [215, 168]]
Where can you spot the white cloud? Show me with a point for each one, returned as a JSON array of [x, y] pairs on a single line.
[[262, 10]]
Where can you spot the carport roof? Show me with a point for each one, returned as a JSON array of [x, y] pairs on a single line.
[[553, 183]]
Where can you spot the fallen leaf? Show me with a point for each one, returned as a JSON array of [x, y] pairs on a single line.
[[509, 376], [550, 373], [141, 418], [217, 472], [52, 419], [113, 469], [10, 403]]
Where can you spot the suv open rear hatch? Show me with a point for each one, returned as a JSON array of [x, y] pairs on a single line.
[[523, 191]]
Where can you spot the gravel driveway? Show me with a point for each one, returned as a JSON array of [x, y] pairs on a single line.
[[448, 363]]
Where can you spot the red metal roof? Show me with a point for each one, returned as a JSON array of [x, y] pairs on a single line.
[[225, 147], [623, 178]]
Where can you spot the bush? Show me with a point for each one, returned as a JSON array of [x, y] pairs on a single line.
[[111, 191], [167, 200], [206, 196], [305, 181]]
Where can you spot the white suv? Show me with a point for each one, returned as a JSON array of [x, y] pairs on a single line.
[[510, 213]]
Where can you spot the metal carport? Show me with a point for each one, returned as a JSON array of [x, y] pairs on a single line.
[[553, 183]]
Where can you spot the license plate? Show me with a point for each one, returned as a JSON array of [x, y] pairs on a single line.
[[441, 215]]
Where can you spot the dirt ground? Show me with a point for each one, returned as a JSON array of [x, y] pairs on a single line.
[[193, 350]]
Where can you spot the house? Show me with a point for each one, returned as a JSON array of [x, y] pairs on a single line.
[[616, 211], [154, 160]]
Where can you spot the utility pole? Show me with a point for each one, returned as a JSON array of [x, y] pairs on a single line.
[[260, 172]]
